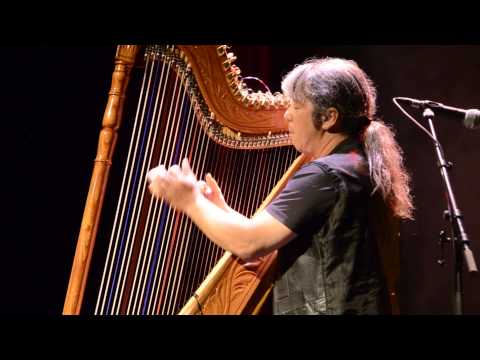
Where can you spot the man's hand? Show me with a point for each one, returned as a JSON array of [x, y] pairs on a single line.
[[178, 185], [212, 192]]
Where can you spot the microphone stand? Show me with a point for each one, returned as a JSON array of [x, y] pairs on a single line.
[[460, 242]]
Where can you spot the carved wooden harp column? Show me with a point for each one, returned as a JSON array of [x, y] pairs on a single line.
[[124, 61], [192, 103]]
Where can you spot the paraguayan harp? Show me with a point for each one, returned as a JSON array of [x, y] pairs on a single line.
[[192, 103]]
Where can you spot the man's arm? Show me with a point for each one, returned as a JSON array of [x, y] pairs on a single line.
[[244, 237]]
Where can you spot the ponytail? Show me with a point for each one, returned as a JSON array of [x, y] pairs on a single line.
[[387, 170]]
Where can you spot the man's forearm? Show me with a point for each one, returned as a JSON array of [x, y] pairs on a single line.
[[228, 229]]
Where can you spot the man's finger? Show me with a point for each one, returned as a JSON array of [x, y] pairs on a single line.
[[204, 188], [174, 170], [154, 190], [150, 176], [186, 169], [157, 171], [212, 183]]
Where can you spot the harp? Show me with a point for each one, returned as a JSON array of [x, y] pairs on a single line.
[[191, 103], [145, 258]]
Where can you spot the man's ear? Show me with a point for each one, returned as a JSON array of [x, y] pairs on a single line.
[[330, 121]]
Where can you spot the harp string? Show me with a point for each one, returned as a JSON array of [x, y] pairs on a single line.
[[146, 237], [157, 256], [132, 206], [136, 225], [185, 223], [258, 193], [175, 238], [178, 238], [136, 260], [266, 168], [208, 248], [233, 186], [138, 189], [152, 301], [175, 235], [254, 187], [183, 242], [113, 245], [230, 177], [250, 182], [213, 251], [198, 164], [130, 259], [200, 240], [216, 167], [199, 170], [276, 165]]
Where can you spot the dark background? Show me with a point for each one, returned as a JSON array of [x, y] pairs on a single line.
[[53, 98]]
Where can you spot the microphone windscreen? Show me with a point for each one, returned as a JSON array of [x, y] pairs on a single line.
[[472, 119]]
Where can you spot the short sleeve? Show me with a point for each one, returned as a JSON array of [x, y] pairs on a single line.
[[303, 204]]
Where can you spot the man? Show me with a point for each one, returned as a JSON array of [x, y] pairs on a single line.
[[329, 261]]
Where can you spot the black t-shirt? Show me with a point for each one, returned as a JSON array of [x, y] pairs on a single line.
[[307, 197]]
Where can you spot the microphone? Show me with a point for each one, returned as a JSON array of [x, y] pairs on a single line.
[[471, 117]]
